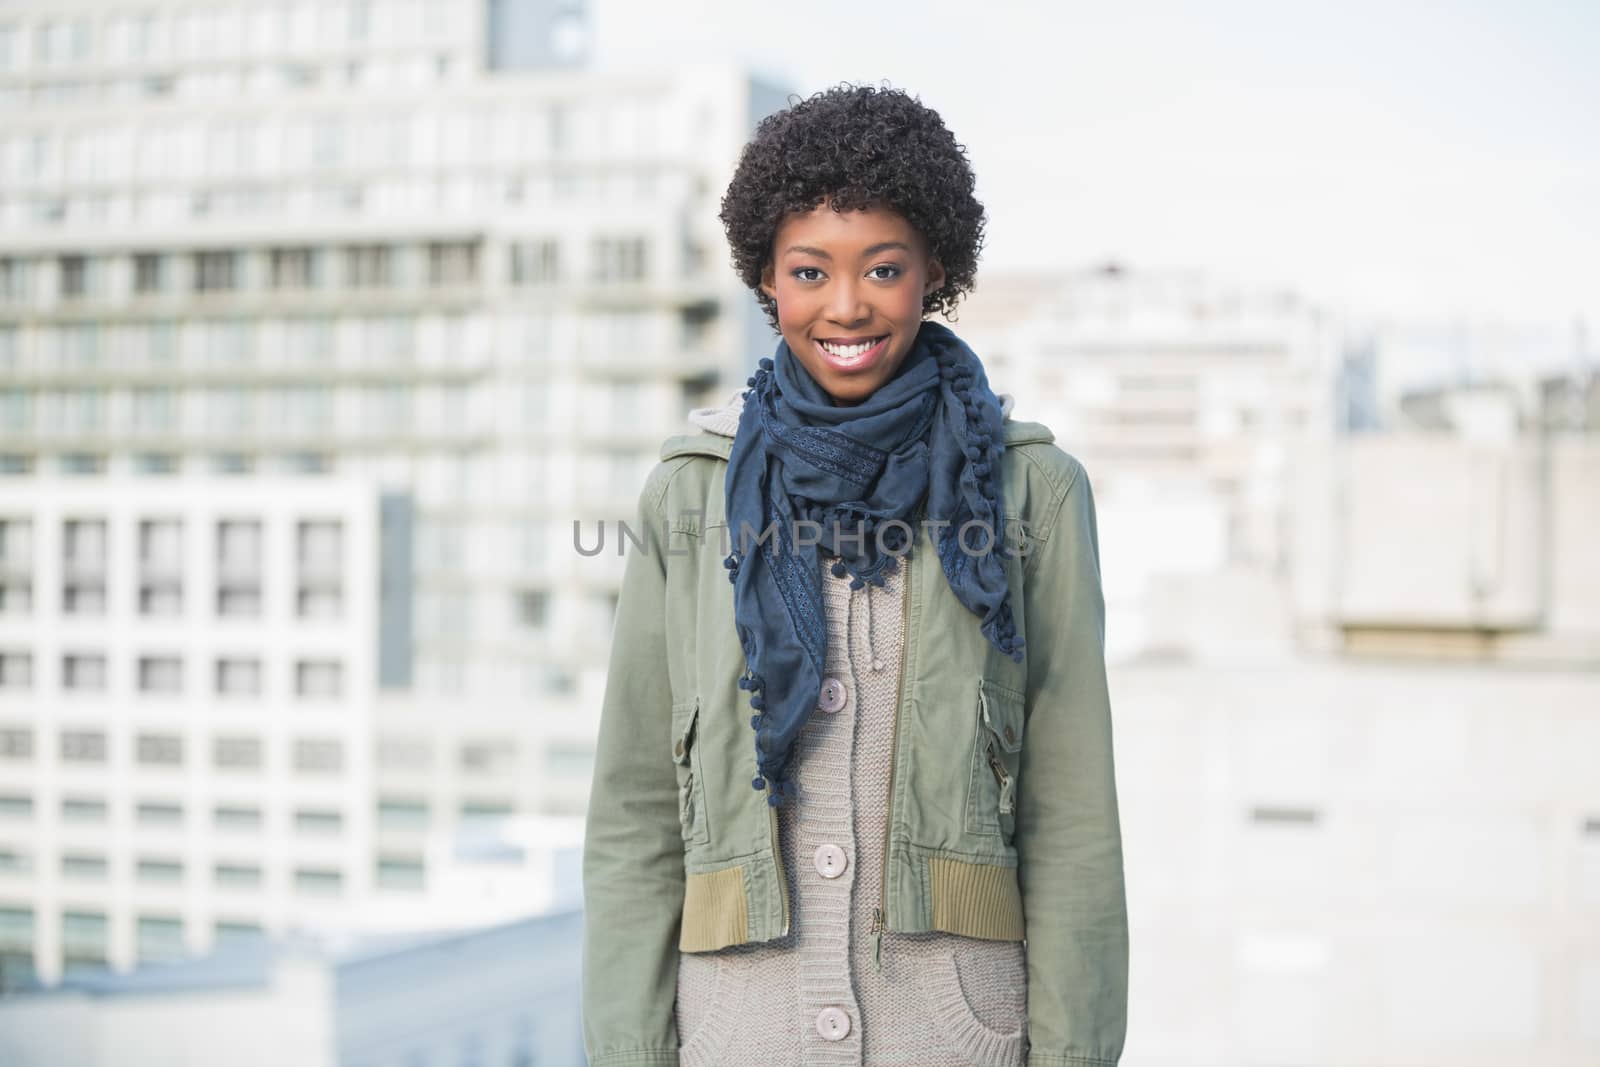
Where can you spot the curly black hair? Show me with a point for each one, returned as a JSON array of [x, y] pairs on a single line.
[[856, 146]]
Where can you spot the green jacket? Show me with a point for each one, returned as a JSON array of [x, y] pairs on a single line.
[[1003, 807]]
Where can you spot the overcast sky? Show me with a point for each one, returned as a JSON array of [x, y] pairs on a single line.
[[1379, 156]]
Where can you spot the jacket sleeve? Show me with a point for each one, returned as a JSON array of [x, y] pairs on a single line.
[[1068, 834], [633, 873]]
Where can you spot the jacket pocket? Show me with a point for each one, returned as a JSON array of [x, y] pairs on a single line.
[[996, 760], [686, 762]]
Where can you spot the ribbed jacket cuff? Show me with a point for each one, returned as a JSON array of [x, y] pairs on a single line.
[[1045, 1059], [638, 1057]]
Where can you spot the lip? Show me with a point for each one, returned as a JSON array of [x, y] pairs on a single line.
[[865, 361]]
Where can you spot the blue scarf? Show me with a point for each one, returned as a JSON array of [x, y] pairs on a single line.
[[931, 433]]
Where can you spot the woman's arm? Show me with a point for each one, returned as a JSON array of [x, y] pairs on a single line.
[[633, 846], [1069, 841]]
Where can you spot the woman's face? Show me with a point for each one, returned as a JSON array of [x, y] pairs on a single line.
[[849, 289]]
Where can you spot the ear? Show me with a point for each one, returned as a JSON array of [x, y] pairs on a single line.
[[769, 283], [935, 277]]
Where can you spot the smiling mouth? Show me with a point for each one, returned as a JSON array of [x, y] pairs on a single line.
[[852, 353]]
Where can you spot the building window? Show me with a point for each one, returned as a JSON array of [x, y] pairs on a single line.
[[533, 608], [155, 463], [319, 552], [160, 567], [83, 746], [402, 813], [84, 567], [485, 810], [216, 272], [74, 276], [84, 935], [400, 872], [16, 670], [160, 871], [238, 677], [318, 757], [160, 813], [404, 754], [237, 753], [155, 410], [150, 273], [236, 818], [308, 463], [76, 464], [318, 881], [83, 810], [16, 596], [237, 876], [160, 938], [16, 280], [234, 932], [16, 568], [232, 463], [296, 268], [452, 263], [368, 266], [83, 867], [16, 743], [159, 750], [160, 674], [239, 568], [619, 259], [319, 546], [318, 822], [489, 757], [319, 679], [535, 262]]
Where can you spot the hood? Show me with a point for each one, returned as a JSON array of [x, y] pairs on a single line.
[[724, 420]]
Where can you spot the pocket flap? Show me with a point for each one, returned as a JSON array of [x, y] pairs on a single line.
[[684, 717], [1002, 713]]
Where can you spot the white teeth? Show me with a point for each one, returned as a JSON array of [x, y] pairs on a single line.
[[848, 351]]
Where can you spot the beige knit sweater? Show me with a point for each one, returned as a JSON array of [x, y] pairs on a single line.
[[814, 996]]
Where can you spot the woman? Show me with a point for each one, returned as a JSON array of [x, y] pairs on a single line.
[[854, 798]]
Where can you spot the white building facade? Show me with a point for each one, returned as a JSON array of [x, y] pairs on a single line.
[[186, 712], [408, 256]]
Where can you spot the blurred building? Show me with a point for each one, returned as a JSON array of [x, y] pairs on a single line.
[[1185, 397], [503, 995], [1463, 530], [1351, 608], [186, 711], [402, 270]]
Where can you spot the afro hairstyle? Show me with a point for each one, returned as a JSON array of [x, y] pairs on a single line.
[[854, 147]]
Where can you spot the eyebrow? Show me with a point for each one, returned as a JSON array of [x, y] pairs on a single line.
[[881, 246]]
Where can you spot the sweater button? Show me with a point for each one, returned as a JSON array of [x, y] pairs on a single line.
[[830, 861], [832, 697], [833, 1024]]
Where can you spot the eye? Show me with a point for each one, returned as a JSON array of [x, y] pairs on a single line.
[[894, 272], [799, 271]]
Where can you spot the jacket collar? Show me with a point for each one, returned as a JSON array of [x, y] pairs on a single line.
[[720, 424]]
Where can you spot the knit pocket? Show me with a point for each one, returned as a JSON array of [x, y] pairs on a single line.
[[975, 993], [686, 762], [996, 760]]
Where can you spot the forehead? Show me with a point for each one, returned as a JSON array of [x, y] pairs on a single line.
[[847, 233]]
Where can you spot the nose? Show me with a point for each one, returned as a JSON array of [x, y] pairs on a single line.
[[845, 303]]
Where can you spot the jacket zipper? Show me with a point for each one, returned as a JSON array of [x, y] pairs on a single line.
[[881, 912], [783, 879], [1002, 779]]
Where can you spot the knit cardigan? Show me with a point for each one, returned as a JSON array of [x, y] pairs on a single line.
[[815, 996]]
